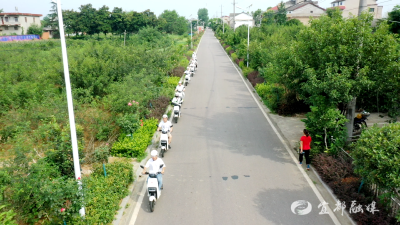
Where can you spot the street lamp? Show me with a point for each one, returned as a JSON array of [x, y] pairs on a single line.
[[77, 168], [248, 35]]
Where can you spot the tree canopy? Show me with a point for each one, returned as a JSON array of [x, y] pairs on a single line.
[[394, 20], [203, 15]]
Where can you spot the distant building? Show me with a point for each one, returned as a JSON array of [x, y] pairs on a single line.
[[304, 11], [353, 7], [17, 23], [240, 19]]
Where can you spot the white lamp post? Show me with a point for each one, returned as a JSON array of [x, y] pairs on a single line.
[[71, 115], [248, 35]]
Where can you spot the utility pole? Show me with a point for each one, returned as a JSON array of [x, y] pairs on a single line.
[[74, 141], [124, 37], [361, 7]]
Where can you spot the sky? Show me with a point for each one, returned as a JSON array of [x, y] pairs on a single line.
[[183, 7]]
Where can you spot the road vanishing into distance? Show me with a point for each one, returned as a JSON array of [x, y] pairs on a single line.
[[227, 164]]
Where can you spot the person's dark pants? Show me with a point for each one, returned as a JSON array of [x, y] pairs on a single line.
[[307, 155]]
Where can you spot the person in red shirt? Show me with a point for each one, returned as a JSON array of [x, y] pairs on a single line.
[[305, 142]]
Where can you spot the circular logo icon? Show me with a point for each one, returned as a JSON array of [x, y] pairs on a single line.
[[301, 207]]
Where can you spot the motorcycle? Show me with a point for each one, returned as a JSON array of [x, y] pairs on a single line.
[[181, 95], [153, 191], [163, 142], [359, 120]]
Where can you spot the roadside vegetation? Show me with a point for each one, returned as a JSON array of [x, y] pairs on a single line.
[[120, 92], [317, 70]]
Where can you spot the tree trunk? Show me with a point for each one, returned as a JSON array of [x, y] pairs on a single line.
[[351, 108]]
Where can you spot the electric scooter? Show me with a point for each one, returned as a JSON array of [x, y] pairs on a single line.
[[163, 142], [153, 191]]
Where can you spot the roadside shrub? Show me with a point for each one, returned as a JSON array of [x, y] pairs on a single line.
[[172, 82], [271, 94], [158, 106], [128, 123], [7, 217], [184, 62], [254, 77], [228, 49], [377, 156], [339, 175], [241, 64], [234, 57], [189, 53], [178, 71], [103, 194], [290, 105], [226, 46], [135, 146], [102, 153]]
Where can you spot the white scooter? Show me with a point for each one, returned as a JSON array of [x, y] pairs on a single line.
[[187, 79], [153, 191], [163, 142], [181, 95], [177, 112]]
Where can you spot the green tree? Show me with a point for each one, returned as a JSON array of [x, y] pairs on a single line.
[[118, 21], [394, 20], [51, 20], [103, 20], [71, 21], [335, 59], [87, 16], [377, 157], [175, 24], [203, 15], [268, 17], [35, 29], [257, 16], [280, 15], [1, 10]]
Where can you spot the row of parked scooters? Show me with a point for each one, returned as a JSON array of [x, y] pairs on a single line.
[[180, 89]]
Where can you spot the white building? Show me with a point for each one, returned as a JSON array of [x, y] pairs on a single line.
[[241, 19], [354, 7], [17, 23]]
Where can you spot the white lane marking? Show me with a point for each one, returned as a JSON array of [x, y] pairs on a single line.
[[138, 204], [142, 193], [319, 196]]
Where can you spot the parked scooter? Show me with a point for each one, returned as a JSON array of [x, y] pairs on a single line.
[[163, 142], [153, 191], [359, 120]]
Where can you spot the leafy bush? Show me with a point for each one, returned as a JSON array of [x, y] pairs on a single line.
[[178, 71], [241, 63], [35, 29], [173, 82], [136, 145], [246, 71], [189, 53], [128, 123], [103, 194], [158, 107], [7, 217], [377, 156], [271, 94], [339, 175], [253, 76], [102, 153], [228, 49], [234, 57]]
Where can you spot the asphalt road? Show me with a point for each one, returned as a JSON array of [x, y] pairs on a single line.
[[227, 165]]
